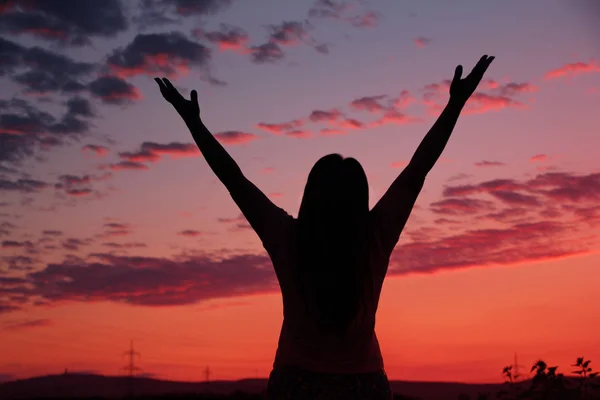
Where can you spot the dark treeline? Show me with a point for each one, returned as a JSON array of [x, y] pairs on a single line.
[[204, 396], [543, 382]]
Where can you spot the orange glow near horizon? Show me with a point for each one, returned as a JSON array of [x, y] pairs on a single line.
[[447, 326]]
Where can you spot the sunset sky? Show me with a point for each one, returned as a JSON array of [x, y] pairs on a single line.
[[113, 228]]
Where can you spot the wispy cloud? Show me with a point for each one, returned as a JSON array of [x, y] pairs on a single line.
[[575, 68], [422, 41]]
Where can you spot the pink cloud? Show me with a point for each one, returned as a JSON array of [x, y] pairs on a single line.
[[153, 281], [68, 180], [152, 152], [367, 20], [515, 198], [461, 206], [235, 137], [500, 96], [114, 90], [572, 69], [393, 116], [488, 84], [513, 88], [496, 184], [114, 233], [560, 186], [79, 192], [543, 168], [422, 41], [116, 225], [518, 243], [237, 223], [435, 89], [94, 149], [331, 131], [74, 244], [117, 97], [131, 245], [16, 244], [280, 128], [446, 221], [507, 215], [550, 186], [403, 100], [481, 102], [399, 164], [227, 38], [539, 157], [128, 165], [301, 134], [369, 103], [330, 116], [167, 54], [329, 9], [288, 33], [350, 123], [189, 233], [592, 90], [266, 52], [489, 164], [52, 232]]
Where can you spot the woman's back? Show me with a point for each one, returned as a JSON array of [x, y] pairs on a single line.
[[303, 341]]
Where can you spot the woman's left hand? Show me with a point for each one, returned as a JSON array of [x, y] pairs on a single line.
[[185, 108]]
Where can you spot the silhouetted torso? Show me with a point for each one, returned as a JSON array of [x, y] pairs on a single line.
[[301, 342]]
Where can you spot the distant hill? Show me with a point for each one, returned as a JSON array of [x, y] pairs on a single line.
[[84, 385]]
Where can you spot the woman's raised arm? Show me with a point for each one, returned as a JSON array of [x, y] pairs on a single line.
[[393, 209], [264, 216]]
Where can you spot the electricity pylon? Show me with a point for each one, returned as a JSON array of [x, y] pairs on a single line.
[[131, 367]]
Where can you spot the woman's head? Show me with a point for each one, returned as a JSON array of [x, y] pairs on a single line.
[[332, 246], [336, 191]]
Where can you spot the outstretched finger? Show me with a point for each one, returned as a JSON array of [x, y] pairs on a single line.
[[481, 63], [161, 85], [457, 73], [479, 68], [486, 64], [194, 96], [169, 84]]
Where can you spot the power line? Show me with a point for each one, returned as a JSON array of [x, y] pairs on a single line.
[[207, 373], [516, 366], [131, 367]]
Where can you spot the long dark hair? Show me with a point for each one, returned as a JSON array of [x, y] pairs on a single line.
[[332, 248]]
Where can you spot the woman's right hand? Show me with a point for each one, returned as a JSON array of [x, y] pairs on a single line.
[[186, 108], [462, 89]]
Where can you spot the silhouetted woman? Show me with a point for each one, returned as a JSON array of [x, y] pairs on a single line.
[[331, 261]]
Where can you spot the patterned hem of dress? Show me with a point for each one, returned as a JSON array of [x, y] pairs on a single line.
[[291, 383]]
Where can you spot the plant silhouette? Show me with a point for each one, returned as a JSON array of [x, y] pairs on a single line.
[[548, 384]]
